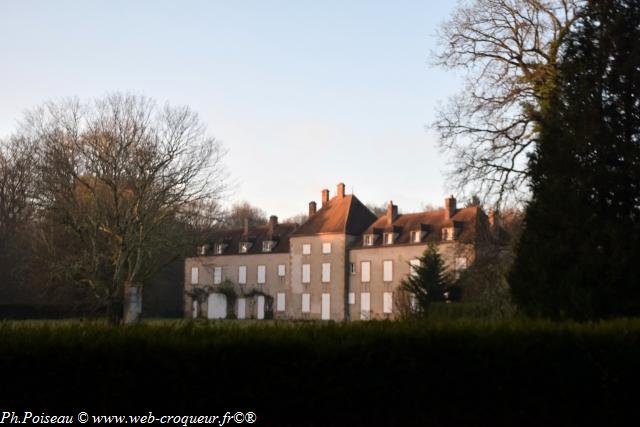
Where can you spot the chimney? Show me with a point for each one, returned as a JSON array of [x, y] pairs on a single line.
[[312, 208], [493, 218], [273, 221], [392, 212], [325, 197], [246, 227], [340, 190], [449, 207]]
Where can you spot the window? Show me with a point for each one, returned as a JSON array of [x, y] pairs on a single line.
[[388, 238], [352, 268], [242, 274], [365, 305], [387, 303], [243, 247], [268, 245], [352, 298], [218, 248], [194, 275], [280, 301], [387, 271], [461, 263], [262, 272], [326, 306], [217, 275], [326, 248], [281, 270], [416, 236], [413, 265], [242, 308], [306, 249], [306, 273], [306, 303], [368, 239], [203, 249], [448, 233], [326, 272], [365, 269]]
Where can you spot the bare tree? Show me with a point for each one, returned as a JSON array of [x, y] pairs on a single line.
[[244, 210], [509, 50], [118, 174], [16, 210]]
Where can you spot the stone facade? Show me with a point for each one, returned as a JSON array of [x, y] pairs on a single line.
[[343, 263]]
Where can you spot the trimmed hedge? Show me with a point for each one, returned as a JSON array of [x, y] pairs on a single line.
[[372, 373]]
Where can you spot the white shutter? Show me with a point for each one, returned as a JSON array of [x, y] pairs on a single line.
[[387, 274], [280, 301], [365, 305], [352, 298], [326, 248], [262, 272], [242, 274], [260, 307], [195, 310], [217, 275], [414, 263], [194, 275], [306, 303], [387, 303], [365, 269], [326, 272], [306, 273], [242, 308], [326, 306], [281, 270]]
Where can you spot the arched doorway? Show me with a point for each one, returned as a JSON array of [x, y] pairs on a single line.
[[217, 306]]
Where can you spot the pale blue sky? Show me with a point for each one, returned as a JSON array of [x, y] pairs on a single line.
[[303, 94]]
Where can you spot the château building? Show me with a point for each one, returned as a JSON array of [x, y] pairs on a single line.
[[342, 263]]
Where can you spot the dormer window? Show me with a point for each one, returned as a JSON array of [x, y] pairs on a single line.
[[369, 239], [448, 233], [218, 248], [416, 236], [388, 238], [268, 245], [243, 247], [203, 249]]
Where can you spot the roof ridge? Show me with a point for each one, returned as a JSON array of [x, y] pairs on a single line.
[[346, 220]]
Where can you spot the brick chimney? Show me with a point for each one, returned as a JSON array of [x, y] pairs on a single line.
[[246, 228], [449, 207], [340, 192], [392, 212], [493, 218], [312, 208], [273, 221], [325, 197]]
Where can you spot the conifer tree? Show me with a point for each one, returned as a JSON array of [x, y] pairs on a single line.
[[428, 280], [580, 250]]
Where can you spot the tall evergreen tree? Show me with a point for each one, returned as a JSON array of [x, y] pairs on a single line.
[[428, 280], [579, 255]]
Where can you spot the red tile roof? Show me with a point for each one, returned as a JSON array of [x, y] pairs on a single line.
[[340, 215], [257, 235], [432, 222]]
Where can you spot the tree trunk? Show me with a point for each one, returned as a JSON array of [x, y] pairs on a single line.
[[132, 302], [114, 311]]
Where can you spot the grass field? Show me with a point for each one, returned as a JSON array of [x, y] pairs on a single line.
[[453, 372]]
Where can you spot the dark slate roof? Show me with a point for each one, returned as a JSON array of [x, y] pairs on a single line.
[[232, 238], [432, 222], [342, 214]]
